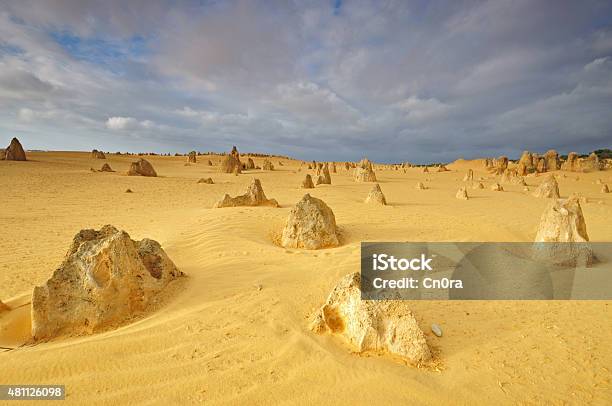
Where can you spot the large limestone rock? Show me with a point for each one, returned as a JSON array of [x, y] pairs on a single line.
[[462, 194], [192, 157], [376, 196], [591, 163], [250, 164], [364, 171], [549, 188], [106, 278], [142, 167], [307, 182], [572, 163], [562, 234], [230, 164], [552, 160], [527, 164], [325, 177], [254, 196], [371, 325], [499, 165], [14, 152], [97, 154], [311, 225]]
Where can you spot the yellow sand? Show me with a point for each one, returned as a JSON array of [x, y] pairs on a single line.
[[222, 340]]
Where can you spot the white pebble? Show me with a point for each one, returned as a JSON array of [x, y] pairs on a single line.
[[437, 330]]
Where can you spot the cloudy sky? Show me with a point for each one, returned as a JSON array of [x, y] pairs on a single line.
[[420, 81]]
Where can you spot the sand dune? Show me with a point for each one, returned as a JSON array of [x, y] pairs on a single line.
[[236, 331]]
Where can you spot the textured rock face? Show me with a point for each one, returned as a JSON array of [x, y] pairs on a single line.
[[549, 188], [106, 168], [364, 171], [527, 164], [571, 164], [499, 165], [208, 181], [376, 196], [325, 178], [254, 196], [230, 164], [311, 225], [192, 157], [307, 183], [371, 325], [142, 167], [105, 279], [591, 163], [562, 234], [552, 160], [267, 165], [469, 176], [462, 194], [14, 152]]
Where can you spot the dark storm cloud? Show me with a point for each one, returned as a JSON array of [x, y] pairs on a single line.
[[397, 80]]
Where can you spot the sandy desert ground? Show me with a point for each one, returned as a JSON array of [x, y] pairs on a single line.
[[221, 340]]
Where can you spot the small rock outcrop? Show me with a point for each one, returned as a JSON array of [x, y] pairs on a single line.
[[376, 196], [325, 177], [478, 185], [371, 325], [105, 279], [250, 164], [562, 234], [307, 182], [549, 188], [469, 176], [142, 167], [426, 170], [106, 168], [443, 168], [496, 187], [4, 307], [208, 181], [364, 171], [192, 157], [604, 188], [14, 152], [420, 186], [254, 196], [267, 165], [311, 225], [462, 194], [97, 154]]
